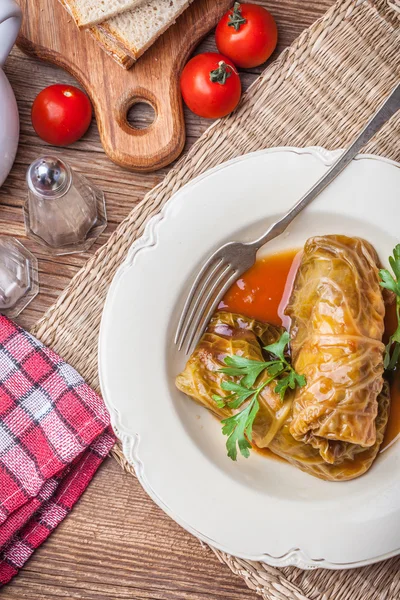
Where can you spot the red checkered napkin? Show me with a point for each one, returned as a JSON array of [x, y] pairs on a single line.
[[54, 434]]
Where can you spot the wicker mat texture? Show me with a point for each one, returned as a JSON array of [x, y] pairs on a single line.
[[320, 91]]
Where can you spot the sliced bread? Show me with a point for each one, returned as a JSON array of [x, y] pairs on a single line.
[[109, 45], [111, 48], [89, 12], [137, 29]]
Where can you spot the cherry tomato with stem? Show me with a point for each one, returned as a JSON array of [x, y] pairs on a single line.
[[61, 114], [247, 34], [211, 85]]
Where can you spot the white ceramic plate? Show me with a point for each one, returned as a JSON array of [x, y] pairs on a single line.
[[257, 508]]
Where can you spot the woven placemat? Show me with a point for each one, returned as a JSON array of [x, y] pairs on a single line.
[[320, 91]]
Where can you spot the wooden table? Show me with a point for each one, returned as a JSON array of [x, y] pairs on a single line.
[[116, 544]]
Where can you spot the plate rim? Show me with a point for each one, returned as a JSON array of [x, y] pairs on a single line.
[[130, 441]]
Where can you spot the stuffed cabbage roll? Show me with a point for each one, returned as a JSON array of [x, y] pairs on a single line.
[[231, 334], [337, 323], [349, 461]]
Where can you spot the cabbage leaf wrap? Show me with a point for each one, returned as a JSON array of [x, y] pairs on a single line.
[[231, 334], [337, 323]]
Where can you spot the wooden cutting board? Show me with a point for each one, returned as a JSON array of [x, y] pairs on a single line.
[[49, 33]]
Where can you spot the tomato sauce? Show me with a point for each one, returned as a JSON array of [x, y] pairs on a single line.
[[263, 292]]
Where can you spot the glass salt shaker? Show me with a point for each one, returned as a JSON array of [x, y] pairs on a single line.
[[18, 277], [64, 211]]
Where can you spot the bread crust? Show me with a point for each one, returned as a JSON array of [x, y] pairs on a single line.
[[113, 42], [83, 21], [133, 51], [111, 48]]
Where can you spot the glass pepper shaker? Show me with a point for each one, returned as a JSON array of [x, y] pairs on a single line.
[[64, 211], [18, 277]]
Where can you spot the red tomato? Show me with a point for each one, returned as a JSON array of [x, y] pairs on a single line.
[[247, 34], [210, 85], [61, 114]]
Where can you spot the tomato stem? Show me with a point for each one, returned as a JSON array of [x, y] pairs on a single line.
[[221, 74], [236, 18]]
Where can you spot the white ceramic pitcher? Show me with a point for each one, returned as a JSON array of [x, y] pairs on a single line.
[[10, 22]]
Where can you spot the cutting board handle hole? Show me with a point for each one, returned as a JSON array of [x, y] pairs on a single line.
[[141, 115]]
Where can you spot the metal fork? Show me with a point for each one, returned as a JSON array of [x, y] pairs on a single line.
[[226, 265]]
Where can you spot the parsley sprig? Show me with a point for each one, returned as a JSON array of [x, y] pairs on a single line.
[[393, 284], [239, 427]]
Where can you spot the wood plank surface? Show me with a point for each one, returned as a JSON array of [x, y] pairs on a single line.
[[50, 33], [116, 544]]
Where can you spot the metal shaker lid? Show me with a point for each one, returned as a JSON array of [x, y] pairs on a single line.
[[49, 176]]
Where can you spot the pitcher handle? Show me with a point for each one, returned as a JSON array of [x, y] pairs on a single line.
[[10, 23]]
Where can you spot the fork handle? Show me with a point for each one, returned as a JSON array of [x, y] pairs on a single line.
[[390, 106]]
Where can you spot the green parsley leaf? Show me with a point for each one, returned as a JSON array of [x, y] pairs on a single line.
[[275, 368], [282, 386], [220, 401], [395, 261], [278, 349], [391, 283], [388, 281], [239, 426], [289, 381], [237, 388], [243, 367], [300, 379]]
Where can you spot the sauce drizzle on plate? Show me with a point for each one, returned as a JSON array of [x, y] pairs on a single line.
[[259, 293]]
